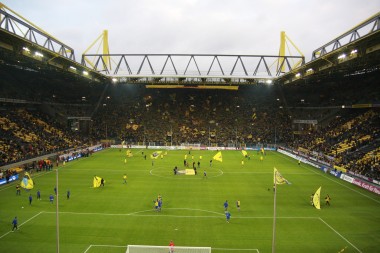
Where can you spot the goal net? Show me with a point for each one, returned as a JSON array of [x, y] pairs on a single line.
[[191, 146], [166, 249]]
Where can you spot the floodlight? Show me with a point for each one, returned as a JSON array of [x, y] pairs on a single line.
[[298, 75], [38, 54], [85, 73], [26, 49], [73, 68], [342, 56]]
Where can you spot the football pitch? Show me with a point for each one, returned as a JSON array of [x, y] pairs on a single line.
[[107, 219]]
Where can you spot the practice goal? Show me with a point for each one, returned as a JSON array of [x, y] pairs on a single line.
[[166, 249]]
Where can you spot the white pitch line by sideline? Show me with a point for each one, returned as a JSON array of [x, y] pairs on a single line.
[[21, 224]]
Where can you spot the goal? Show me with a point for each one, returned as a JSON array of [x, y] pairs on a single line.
[[166, 249], [191, 146]]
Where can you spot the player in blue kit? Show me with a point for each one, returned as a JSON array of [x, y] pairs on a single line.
[[30, 199], [225, 205], [159, 205], [14, 222], [228, 217]]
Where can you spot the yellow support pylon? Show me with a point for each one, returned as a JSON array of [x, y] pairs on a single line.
[[283, 45], [103, 42], [1, 7]]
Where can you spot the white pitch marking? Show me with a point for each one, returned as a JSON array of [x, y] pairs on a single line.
[[46, 172], [219, 215], [340, 235], [236, 249], [21, 224], [220, 173], [12, 185], [108, 246], [337, 182]]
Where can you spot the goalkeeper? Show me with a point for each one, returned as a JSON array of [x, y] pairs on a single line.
[[171, 247]]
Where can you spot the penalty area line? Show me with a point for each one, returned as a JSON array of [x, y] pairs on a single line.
[[106, 246], [226, 249], [341, 236], [126, 246]]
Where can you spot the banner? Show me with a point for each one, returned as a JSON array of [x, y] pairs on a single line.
[[27, 182], [11, 178], [317, 198], [155, 154], [367, 186], [97, 181], [218, 157], [278, 178]]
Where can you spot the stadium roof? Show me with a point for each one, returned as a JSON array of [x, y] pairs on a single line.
[[352, 53], [355, 52]]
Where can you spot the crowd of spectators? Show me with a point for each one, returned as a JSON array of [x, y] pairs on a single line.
[[210, 117], [6, 174], [351, 139], [252, 116], [26, 134]]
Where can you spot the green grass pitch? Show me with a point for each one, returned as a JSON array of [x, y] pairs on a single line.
[[107, 219]]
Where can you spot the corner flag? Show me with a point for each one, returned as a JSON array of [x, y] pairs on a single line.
[[27, 182], [278, 178], [218, 157], [317, 198]]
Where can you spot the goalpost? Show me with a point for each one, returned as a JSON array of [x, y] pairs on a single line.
[[193, 146], [166, 249]]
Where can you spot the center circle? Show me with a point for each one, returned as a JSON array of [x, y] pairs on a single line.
[[165, 172]]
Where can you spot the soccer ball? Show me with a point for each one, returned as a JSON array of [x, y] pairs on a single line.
[[22, 207]]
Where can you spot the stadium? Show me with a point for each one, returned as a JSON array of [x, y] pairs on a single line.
[[188, 152]]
